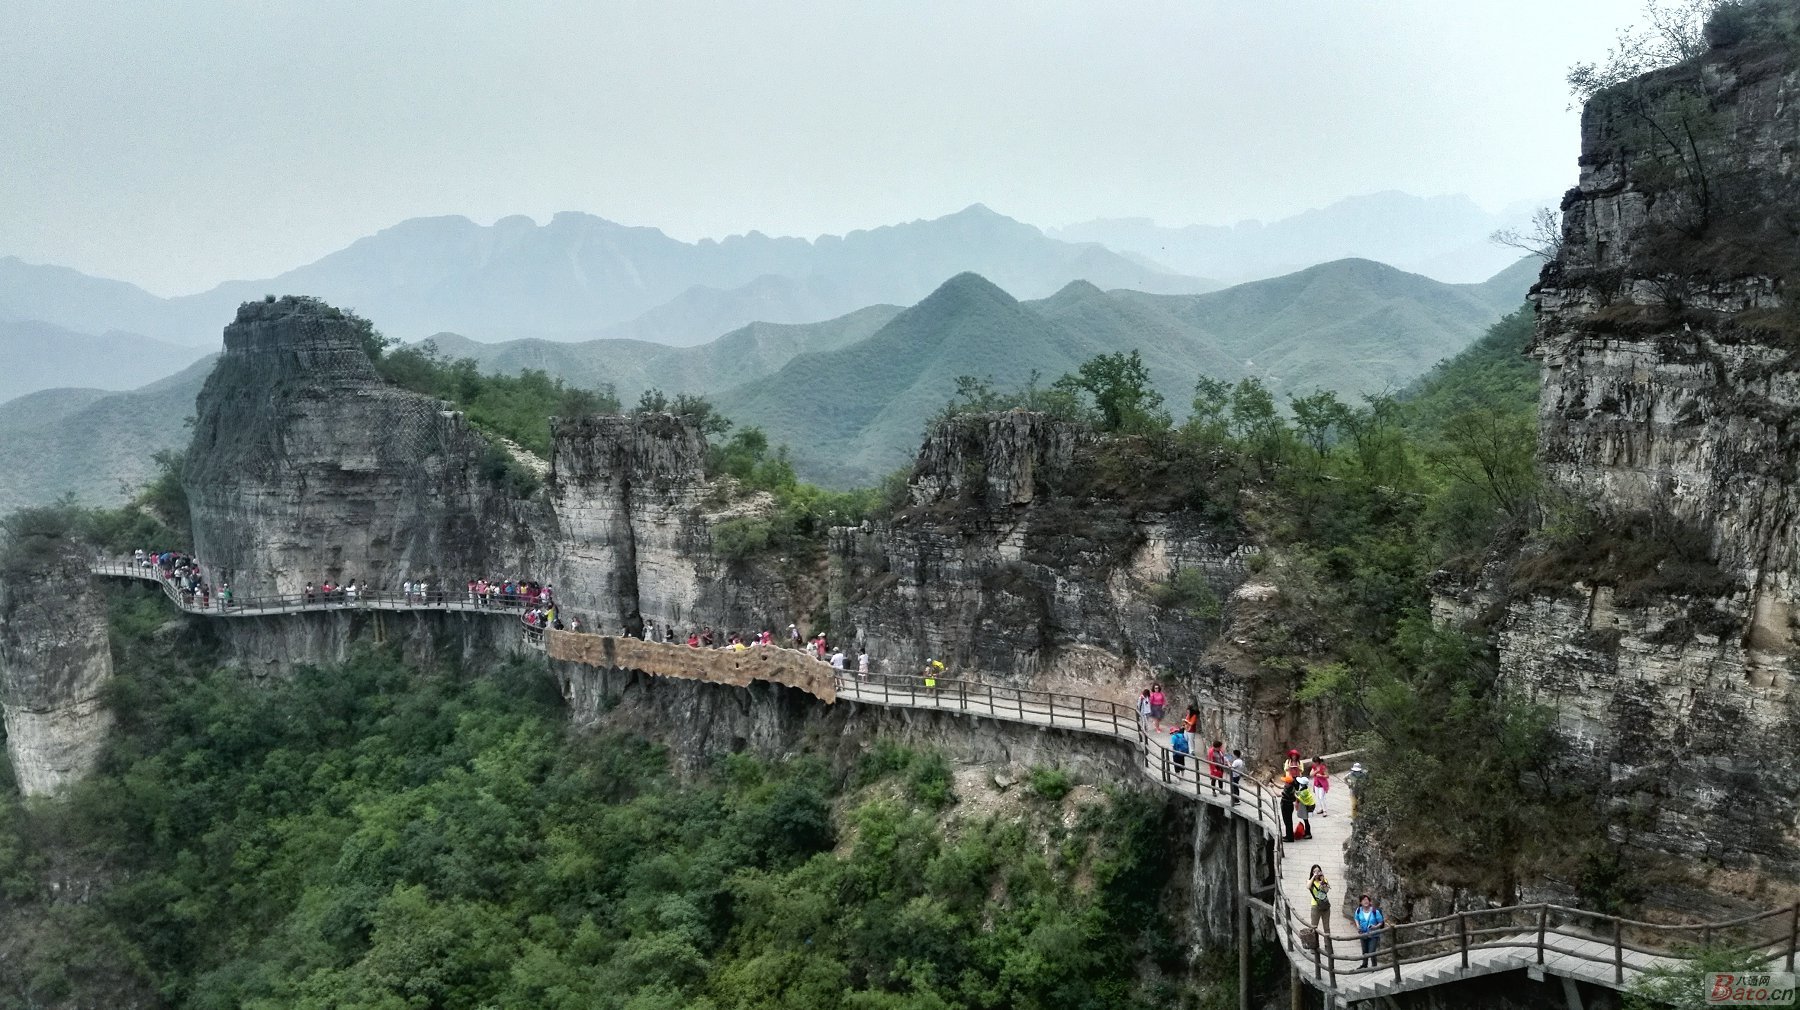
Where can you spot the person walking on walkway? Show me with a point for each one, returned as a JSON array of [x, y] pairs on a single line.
[[1358, 775], [1237, 774], [1190, 723], [1178, 742], [1215, 765], [862, 665], [1319, 889], [1287, 808], [1304, 801], [1144, 710], [1292, 765], [1369, 924], [1321, 784], [1158, 701]]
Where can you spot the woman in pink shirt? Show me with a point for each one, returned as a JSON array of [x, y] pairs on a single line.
[[1157, 701], [1321, 783]]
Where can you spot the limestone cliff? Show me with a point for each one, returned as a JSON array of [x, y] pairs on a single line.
[[634, 517], [54, 664], [1657, 612], [305, 465], [1032, 551]]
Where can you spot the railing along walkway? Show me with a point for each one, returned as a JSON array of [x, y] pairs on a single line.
[[446, 599], [1569, 942]]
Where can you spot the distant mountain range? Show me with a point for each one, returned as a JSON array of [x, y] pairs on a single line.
[[850, 395], [581, 276], [36, 355], [1354, 327], [1443, 237]]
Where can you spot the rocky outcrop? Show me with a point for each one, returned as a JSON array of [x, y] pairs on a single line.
[[305, 465], [1662, 629], [1021, 557], [54, 665]]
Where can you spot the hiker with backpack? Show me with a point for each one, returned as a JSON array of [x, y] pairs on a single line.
[[1369, 924], [1178, 742]]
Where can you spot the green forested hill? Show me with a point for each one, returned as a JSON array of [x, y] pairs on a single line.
[[632, 366], [91, 443], [375, 836], [1354, 327], [1493, 373]]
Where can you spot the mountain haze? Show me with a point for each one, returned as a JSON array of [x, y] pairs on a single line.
[[580, 276], [1443, 237], [92, 443], [1353, 327], [36, 355]]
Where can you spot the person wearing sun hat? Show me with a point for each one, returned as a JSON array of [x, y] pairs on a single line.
[[1178, 742], [1355, 779]]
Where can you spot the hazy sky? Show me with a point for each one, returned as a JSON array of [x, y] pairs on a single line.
[[177, 144]]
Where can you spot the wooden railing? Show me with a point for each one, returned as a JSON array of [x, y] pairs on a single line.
[[1537, 933]]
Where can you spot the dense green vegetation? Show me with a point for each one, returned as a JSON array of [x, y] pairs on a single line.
[[370, 836], [516, 407]]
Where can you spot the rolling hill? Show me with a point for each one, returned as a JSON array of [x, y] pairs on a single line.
[[92, 443], [1353, 327], [632, 366]]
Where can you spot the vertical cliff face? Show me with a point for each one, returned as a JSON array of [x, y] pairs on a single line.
[[635, 513], [306, 465], [1663, 629], [54, 663], [1020, 557]]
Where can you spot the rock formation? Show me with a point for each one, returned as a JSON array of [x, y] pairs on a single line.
[[306, 465], [626, 494], [54, 664], [1659, 621], [1024, 554]]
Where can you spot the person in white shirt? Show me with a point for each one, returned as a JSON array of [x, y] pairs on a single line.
[[862, 664], [837, 661]]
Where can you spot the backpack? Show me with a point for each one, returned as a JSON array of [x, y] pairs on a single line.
[[1299, 831]]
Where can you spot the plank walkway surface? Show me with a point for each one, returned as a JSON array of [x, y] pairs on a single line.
[[1469, 945]]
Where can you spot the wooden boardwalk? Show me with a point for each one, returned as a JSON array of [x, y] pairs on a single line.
[[1546, 940]]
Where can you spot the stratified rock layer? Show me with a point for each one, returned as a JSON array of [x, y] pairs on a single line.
[[1019, 559], [54, 663], [1669, 405], [305, 466]]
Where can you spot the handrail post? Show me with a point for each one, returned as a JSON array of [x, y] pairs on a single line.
[[1462, 937], [1165, 764], [1394, 949], [1083, 699], [1619, 951], [1793, 936], [1330, 956], [1543, 927]]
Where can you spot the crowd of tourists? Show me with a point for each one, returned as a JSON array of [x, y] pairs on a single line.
[[184, 576], [1305, 791]]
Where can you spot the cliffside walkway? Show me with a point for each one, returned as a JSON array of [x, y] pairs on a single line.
[[299, 603], [1541, 939]]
